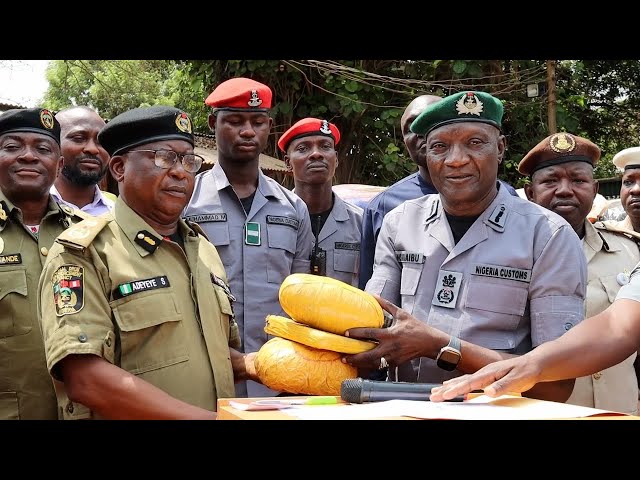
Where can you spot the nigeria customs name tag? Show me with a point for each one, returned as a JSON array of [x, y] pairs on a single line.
[[252, 233], [447, 289]]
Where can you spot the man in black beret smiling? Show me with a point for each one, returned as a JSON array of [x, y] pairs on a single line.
[[30, 219], [478, 274], [148, 329]]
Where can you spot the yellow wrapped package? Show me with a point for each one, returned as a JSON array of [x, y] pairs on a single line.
[[312, 337], [291, 367], [328, 304]]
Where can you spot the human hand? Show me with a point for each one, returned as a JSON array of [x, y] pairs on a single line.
[[513, 375], [405, 339]]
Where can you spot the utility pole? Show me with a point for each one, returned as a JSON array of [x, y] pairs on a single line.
[[551, 89]]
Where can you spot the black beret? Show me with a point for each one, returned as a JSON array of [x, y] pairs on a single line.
[[35, 120], [145, 125]]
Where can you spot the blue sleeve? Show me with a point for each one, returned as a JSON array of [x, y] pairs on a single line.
[[367, 248]]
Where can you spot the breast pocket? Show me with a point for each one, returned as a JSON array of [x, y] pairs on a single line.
[[151, 332], [411, 273], [499, 310], [345, 261], [218, 233], [611, 286], [282, 248], [14, 307]]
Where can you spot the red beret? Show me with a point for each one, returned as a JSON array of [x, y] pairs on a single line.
[[307, 127], [240, 94], [559, 148]]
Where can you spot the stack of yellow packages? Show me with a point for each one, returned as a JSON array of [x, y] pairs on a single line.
[[304, 357]]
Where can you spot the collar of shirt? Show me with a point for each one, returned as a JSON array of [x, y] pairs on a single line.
[[99, 205]]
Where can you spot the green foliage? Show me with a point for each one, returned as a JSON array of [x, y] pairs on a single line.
[[597, 99]]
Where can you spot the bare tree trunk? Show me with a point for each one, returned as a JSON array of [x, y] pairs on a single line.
[[551, 88]]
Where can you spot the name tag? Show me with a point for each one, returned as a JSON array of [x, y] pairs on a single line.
[[410, 257], [289, 222], [346, 246], [497, 271], [210, 217], [11, 259], [126, 289], [447, 289]]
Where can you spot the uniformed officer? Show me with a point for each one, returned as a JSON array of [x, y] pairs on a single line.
[[628, 160], [136, 310], [561, 172], [310, 154], [261, 229], [487, 274], [599, 342], [30, 219]]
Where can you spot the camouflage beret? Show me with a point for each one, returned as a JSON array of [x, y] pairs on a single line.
[[627, 158], [240, 94], [145, 125], [307, 127], [559, 148], [34, 120], [459, 107]]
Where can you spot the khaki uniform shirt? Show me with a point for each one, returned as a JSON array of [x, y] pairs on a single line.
[[610, 259], [26, 388], [516, 279], [142, 303], [281, 242]]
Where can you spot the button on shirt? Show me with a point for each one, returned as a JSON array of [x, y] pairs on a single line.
[[255, 272], [99, 205], [516, 279]]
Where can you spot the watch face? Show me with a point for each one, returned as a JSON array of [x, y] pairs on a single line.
[[448, 358]]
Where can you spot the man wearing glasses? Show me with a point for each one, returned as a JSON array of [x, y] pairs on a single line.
[[135, 307], [261, 229]]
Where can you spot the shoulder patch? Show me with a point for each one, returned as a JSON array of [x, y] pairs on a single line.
[[80, 235]]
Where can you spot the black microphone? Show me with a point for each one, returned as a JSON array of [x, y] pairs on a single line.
[[357, 390]]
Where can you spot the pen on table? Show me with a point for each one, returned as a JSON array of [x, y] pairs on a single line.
[[320, 400]]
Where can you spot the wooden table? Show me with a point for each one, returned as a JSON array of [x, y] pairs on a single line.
[[227, 412]]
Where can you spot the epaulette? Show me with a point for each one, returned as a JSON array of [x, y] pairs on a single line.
[[80, 235], [612, 226], [196, 228]]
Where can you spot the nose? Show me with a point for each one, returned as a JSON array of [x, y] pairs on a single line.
[[247, 130], [92, 146], [564, 188], [635, 188], [29, 154], [457, 155]]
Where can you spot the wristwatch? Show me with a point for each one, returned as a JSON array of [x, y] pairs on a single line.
[[449, 355]]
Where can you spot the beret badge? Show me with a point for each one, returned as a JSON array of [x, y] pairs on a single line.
[[469, 104], [562, 143], [324, 128], [46, 118], [183, 123], [254, 101]]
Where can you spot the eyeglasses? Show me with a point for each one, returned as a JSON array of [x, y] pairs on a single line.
[[167, 158]]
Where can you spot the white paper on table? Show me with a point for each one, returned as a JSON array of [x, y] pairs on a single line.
[[506, 407]]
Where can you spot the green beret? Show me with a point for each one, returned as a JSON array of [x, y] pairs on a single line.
[[145, 125], [33, 120], [459, 107]]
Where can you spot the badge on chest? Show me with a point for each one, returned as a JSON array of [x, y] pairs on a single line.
[[447, 289]]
